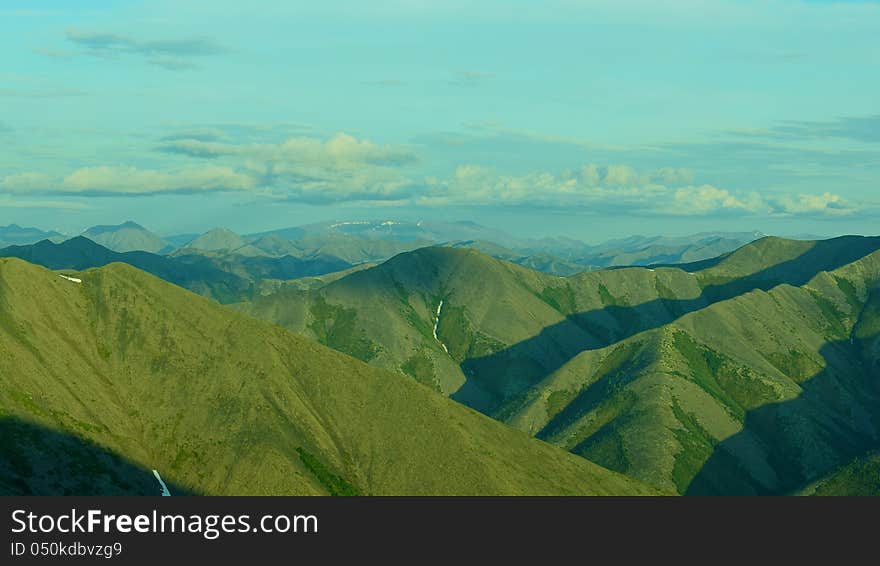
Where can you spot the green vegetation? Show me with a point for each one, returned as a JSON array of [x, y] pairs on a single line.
[[560, 298], [696, 446], [335, 485], [859, 477], [219, 402], [748, 373], [421, 368], [336, 327], [750, 344], [705, 365]]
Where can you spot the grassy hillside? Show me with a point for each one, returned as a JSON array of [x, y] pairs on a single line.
[[124, 373], [751, 373]]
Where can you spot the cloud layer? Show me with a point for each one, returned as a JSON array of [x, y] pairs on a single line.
[[346, 169]]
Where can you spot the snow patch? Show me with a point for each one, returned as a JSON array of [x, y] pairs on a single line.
[[74, 279], [165, 492], [437, 325]]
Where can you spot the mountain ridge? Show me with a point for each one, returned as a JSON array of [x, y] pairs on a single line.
[[222, 403]]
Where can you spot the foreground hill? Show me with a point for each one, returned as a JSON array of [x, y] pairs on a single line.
[[123, 373], [755, 372]]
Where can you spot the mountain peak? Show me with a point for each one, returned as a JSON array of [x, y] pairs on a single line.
[[126, 237], [217, 239]]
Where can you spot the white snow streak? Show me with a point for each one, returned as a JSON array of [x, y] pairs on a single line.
[[165, 492], [437, 325], [74, 279]]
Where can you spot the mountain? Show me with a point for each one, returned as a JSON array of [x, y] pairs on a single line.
[[122, 373], [257, 268], [180, 240], [127, 237], [14, 234], [224, 277], [220, 239], [668, 250], [400, 230], [80, 253], [859, 477], [754, 372], [564, 257]]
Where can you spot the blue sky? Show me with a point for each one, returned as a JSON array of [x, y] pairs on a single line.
[[592, 119]]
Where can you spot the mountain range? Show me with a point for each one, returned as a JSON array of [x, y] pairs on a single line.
[[756, 371], [14, 234], [113, 372], [358, 242]]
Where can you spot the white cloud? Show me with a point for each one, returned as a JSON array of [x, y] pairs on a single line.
[[826, 203], [706, 198], [343, 169], [127, 180]]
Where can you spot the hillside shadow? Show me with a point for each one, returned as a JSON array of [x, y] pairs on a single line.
[[785, 446], [526, 363], [35, 460]]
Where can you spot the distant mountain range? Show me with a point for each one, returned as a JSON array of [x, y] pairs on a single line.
[[357, 242], [17, 235]]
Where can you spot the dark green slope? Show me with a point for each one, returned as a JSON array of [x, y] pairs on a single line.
[[125, 373], [37, 460]]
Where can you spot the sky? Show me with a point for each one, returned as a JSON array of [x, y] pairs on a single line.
[[592, 119]]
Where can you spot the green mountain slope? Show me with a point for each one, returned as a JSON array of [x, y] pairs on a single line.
[[859, 477], [660, 373], [386, 315], [140, 374]]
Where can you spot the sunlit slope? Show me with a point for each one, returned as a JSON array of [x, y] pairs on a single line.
[[386, 315], [644, 370], [505, 327], [761, 393], [223, 404]]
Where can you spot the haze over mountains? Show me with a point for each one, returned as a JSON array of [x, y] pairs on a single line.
[[357, 242], [751, 371]]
